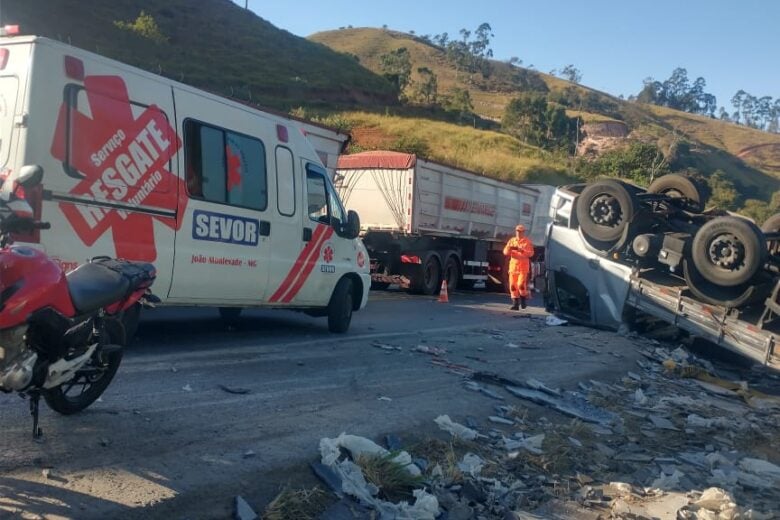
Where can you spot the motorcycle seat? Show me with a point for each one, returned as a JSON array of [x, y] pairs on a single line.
[[94, 285]]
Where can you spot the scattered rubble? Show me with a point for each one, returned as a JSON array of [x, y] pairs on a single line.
[[243, 511], [668, 440]]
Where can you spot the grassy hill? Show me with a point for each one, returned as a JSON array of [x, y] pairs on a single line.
[[218, 46], [749, 158], [212, 44]]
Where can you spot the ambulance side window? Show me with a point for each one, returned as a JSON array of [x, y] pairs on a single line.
[[224, 166], [285, 182], [103, 141], [317, 197]]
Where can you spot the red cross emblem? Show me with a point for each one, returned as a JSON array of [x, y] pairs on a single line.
[[327, 254], [123, 158]]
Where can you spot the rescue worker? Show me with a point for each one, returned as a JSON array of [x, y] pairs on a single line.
[[520, 249]]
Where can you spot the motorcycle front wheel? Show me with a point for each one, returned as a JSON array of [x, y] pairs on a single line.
[[91, 381]]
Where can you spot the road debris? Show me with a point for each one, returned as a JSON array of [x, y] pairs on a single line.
[[386, 346], [243, 511], [233, 390], [355, 484], [554, 321], [433, 351], [456, 429], [652, 444]]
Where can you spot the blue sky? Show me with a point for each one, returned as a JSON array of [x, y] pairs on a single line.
[[616, 44]]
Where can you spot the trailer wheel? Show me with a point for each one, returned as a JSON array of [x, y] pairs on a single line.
[[604, 209], [340, 307], [427, 278], [772, 225], [452, 273], [679, 187], [728, 251]]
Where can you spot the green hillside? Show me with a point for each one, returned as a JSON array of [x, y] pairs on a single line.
[[336, 77], [212, 44], [749, 158]]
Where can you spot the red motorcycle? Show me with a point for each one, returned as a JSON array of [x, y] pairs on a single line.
[[61, 335]]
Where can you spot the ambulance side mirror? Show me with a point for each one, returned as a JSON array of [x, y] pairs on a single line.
[[30, 176], [353, 224]]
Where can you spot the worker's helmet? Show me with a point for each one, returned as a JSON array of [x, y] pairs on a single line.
[[520, 228]]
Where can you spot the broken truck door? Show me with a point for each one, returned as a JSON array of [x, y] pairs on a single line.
[[586, 286]]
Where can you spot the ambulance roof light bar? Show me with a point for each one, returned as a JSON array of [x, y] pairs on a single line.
[[9, 30]]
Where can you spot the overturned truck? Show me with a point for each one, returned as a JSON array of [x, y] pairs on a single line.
[[617, 252], [424, 222]]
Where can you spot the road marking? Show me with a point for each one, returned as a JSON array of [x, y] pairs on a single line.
[[215, 350]]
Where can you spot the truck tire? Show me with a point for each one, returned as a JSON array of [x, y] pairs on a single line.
[[728, 251], [604, 209], [679, 187], [452, 273], [427, 279], [772, 225], [340, 307], [734, 297]]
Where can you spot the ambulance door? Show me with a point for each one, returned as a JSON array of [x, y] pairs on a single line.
[[291, 247], [114, 191], [222, 246], [318, 266]]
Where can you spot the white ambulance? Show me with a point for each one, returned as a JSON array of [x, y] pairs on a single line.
[[231, 204]]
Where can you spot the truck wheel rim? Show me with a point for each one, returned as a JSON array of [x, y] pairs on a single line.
[[727, 252], [605, 211]]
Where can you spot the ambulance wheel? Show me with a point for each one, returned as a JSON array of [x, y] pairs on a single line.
[[340, 307], [230, 314], [604, 209]]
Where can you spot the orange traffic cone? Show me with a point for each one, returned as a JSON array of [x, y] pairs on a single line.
[[443, 297]]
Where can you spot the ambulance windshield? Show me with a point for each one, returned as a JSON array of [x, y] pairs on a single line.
[[8, 91]]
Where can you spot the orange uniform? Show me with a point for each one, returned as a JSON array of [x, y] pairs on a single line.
[[520, 250]]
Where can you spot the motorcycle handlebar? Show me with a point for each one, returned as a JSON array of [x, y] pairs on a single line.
[[21, 225]]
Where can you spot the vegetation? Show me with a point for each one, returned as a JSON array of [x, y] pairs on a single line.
[[762, 113], [212, 44], [393, 479], [677, 92], [532, 119], [146, 27], [639, 162], [441, 97]]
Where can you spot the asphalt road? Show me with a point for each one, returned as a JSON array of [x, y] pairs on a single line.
[[168, 439]]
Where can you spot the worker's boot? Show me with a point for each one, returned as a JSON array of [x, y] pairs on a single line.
[[515, 304], [522, 302]]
